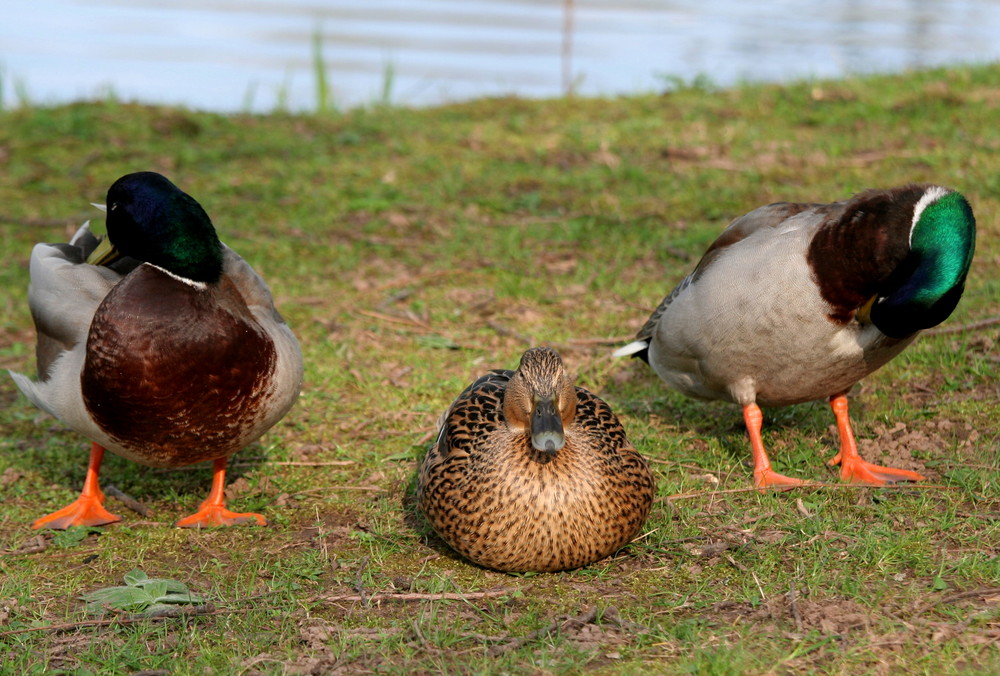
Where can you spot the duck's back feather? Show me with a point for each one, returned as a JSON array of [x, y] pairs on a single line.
[[763, 218]]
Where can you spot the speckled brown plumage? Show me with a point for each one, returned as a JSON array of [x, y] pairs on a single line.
[[501, 503]]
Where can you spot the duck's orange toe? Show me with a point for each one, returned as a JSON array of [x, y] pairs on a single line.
[[860, 471], [768, 478], [209, 516], [87, 510]]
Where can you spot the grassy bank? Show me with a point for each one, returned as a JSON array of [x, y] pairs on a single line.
[[412, 250]]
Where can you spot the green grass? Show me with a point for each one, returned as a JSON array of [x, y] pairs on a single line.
[[413, 249]]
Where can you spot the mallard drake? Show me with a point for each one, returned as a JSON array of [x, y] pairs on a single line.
[[173, 355], [530, 473], [797, 302]]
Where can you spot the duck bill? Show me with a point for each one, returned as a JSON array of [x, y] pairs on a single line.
[[864, 313], [547, 433], [104, 254]]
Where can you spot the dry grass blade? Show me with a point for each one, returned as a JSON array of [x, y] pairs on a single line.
[[972, 326]]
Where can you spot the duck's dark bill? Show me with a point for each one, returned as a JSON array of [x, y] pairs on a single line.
[[546, 427]]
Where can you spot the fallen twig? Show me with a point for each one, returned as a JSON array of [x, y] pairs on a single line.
[[582, 619], [793, 604], [981, 324], [414, 596], [611, 615], [682, 465], [259, 463], [408, 321], [700, 494], [33, 546], [179, 611], [510, 333], [126, 499], [359, 584], [295, 463], [735, 564], [985, 516], [600, 342], [423, 641], [974, 465], [711, 549], [759, 517], [373, 489], [573, 344], [958, 596]]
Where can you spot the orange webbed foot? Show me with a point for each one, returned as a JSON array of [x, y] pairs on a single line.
[[768, 478], [86, 510], [212, 515], [763, 476], [852, 467], [856, 470], [213, 511]]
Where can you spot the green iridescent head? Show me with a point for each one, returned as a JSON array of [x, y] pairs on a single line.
[[924, 290], [152, 220]]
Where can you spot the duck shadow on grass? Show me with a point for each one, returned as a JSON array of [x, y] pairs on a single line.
[[642, 396]]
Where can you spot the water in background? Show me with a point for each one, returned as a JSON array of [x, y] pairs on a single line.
[[233, 55]]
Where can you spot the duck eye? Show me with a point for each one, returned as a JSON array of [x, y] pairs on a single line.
[[114, 205]]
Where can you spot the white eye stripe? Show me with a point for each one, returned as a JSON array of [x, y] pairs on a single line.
[[931, 195]]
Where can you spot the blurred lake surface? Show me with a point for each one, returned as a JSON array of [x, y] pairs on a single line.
[[258, 55]]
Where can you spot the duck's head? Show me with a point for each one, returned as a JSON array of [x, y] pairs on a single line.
[[541, 399], [925, 288], [152, 220]]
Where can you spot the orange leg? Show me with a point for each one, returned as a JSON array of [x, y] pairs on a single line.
[[88, 509], [763, 475], [852, 467], [213, 511]]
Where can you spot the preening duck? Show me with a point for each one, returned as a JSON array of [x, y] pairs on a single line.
[[171, 355], [797, 302]]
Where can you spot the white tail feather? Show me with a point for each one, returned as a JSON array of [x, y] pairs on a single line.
[[80, 232], [631, 348]]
